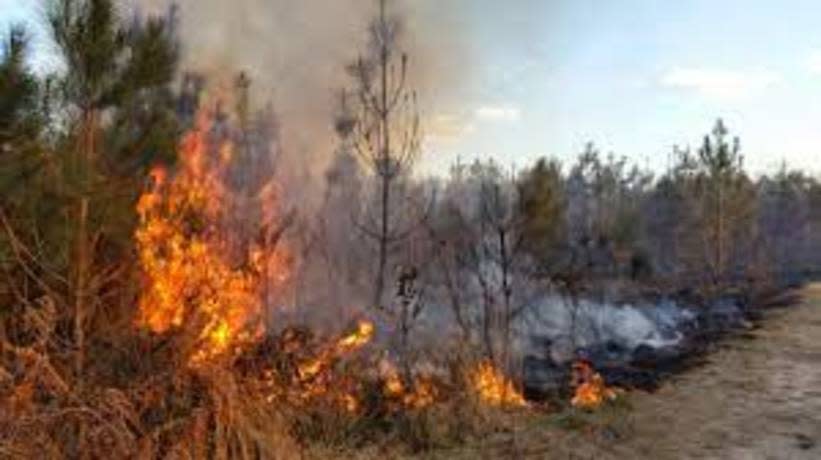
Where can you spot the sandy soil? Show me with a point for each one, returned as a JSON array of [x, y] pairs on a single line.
[[758, 397]]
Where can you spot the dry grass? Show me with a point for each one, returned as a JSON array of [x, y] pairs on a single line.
[[137, 400]]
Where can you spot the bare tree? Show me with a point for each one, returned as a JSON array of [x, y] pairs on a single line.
[[484, 233], [387, 134]]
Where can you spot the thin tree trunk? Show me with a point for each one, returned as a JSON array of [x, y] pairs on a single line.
[[506, 293], [720, 234], [455, 301], [82, 256], [487, 318], [383, 245], [385, 167], [81, 280]]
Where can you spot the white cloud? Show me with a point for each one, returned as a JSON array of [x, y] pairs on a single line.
[[448, 126], [454, 126], [814, 63], [498, 113], [719, 83]]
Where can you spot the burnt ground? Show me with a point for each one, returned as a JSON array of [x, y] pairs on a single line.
[[757, 396]]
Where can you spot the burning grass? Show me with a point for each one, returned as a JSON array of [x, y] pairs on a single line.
[[205, 379], [493, 387]]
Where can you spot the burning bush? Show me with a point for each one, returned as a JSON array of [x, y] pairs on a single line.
[[202, 275]]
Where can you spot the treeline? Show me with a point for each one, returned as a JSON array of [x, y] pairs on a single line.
[[705, 223], [497, 244]]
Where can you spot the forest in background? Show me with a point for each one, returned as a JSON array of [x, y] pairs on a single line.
[[466, 257]]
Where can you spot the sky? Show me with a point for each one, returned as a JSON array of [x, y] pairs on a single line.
[[637, 76], [30, 14], [633, 76]]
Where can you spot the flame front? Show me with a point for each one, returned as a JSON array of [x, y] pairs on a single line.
[[199, 277], [493, 387], [591, 390], [207, 281]]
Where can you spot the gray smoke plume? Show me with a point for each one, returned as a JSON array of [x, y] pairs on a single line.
[[296, 52]]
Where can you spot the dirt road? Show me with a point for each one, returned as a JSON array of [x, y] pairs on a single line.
[[758, 397]]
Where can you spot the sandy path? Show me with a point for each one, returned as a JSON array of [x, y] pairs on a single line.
[[756, 398]]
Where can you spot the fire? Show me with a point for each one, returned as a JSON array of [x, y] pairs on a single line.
[[424, 394], [201, 278], [207, 280], [393, 383], [360, 337], [591, 390], [421, 394], [493, 387], [344, 345], [350, 403], [314, 379]]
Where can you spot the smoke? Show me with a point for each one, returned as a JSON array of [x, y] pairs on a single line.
[[296, 51], [595, 324]]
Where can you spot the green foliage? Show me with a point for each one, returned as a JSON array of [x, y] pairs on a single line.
[[709, 217], [123, 70], [717, 156], [20, 118], [612, 419], [90, 42], [117, 85], [18, 91], [542, 206], [73, 150], [727, 202]]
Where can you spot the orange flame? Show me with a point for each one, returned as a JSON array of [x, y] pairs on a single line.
[[344, 345], [591, 391], [314, 380], [422, 393], [493, 387], [198, 279], [360, 337]]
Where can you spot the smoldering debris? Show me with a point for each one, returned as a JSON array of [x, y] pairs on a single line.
[[633, 346]]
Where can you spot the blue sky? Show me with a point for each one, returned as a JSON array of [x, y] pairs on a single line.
[[633, 76], [638, 76], [28, 13]]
